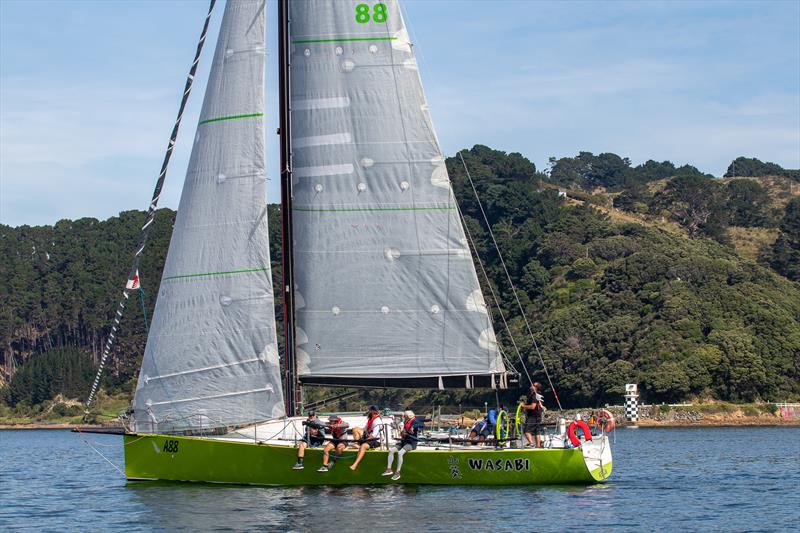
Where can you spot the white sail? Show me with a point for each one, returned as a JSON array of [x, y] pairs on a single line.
[[211, 358], [386, 291]]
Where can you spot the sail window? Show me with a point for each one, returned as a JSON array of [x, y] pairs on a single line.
[[324, 170], [311, 104]]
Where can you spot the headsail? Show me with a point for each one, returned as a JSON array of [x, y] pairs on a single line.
[[211, 358], [385, 289]]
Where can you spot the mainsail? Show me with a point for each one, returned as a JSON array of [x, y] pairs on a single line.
[[211, 358], [385, 289]]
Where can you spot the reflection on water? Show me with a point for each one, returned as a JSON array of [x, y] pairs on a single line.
[[687, 480]]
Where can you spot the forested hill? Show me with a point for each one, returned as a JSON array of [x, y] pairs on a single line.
[[686, 284]]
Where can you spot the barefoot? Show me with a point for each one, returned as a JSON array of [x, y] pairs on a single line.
[[353, 467]]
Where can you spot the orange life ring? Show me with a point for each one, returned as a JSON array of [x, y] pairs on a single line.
[[605, 421], [584, 427]]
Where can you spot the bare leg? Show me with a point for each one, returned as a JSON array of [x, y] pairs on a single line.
[[301, 450], [361, 451], [538, 441], [529, 438], [326, 453]]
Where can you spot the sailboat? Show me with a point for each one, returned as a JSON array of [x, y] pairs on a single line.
[[380, 289]]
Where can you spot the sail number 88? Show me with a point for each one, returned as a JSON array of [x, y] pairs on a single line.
[[378, 13]]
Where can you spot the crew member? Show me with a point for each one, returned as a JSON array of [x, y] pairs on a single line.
[[408, 441], [483, 428], [534, 409], [314, 437], [370, 436], [338, 428]]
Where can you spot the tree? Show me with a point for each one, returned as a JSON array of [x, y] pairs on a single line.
[[696, 203], [785, 253]]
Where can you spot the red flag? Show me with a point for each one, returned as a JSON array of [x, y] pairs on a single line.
[[133, 284]]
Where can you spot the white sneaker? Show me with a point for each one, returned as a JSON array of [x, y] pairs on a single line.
[[323, 469], [387, 472], [298, 466], [396, 476]]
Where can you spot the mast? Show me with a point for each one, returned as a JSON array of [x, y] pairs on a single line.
[[292, 388]]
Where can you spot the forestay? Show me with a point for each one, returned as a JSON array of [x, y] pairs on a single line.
[[386, 291], [211, 358]]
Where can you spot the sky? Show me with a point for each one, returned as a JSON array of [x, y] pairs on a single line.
[[89, 90]]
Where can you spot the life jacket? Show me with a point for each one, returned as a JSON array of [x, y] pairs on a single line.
[[368, 428], [336, 430], [409, 431]]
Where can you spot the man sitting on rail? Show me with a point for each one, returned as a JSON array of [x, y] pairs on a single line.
[[370, 436], [338, 429], [408, 441], [314, 437], [483, 428]]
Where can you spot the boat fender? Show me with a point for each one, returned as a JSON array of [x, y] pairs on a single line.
[[605, 421], [571, 432]]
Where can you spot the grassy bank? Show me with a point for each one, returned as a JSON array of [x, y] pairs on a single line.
[[63, 413]]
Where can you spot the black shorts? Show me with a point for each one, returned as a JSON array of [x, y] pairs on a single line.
[[534, 427], [373, 443], [337, 442], [314, 442]]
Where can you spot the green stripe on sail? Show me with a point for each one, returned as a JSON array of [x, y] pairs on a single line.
[[358, 209], [232, 117], [344, 40], [216, 273]]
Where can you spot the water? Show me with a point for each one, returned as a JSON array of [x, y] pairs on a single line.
[[726, 479]]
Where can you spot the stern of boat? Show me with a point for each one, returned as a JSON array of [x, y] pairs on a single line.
[[597, 457]]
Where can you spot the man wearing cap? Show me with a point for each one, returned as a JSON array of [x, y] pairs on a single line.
[[338, 428], [408, 441], [313, 437], [534, 409], [370, 436]]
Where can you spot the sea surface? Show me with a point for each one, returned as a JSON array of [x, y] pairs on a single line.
[[718, 479]]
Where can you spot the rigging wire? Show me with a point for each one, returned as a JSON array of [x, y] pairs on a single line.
[[494, 296], [511, 283], [151, 212]]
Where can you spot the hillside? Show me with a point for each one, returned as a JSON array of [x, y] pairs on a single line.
[[659, 275]]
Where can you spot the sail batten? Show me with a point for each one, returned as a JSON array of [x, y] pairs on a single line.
[[211, 358], [382, 265]]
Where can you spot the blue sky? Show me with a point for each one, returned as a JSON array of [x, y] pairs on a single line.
[[89, 89]]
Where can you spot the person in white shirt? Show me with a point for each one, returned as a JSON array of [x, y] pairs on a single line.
[[370, 436]]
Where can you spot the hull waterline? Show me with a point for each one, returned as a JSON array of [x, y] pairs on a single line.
[[195, 459]]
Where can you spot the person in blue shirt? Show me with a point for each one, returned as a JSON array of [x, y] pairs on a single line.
[[409, 438], [483, 428]]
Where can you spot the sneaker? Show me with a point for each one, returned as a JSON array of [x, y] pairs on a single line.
[[387, 472], [298, 466], [323, 468], [396, 476]]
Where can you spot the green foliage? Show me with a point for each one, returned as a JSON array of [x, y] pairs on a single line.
[[609, 303], [750, 166], [67, 371], [784, 256]]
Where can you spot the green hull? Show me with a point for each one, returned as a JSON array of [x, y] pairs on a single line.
[[163, 457]]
